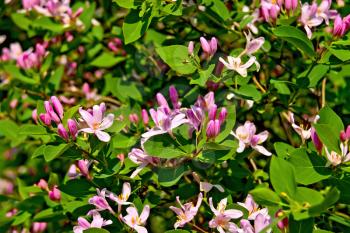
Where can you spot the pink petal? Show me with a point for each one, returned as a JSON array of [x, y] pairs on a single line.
[[103, 136]]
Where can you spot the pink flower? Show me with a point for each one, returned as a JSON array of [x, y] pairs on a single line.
[[138, 156], [213, 129], [235, 63], [123, 197], [305, 133], [100, 202], [42, 184], [136, 222], [134, 118], [206, 187], [222, 218], [144, 116], [209, 47], [269, 10], [83, 165], [335, 159], [253, 208], [187, 211], [97, 122], [247, 137], [253, 44], [97, 222], [55, 194], [260, 223]]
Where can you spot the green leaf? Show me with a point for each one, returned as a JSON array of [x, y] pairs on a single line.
[[135, 26], [21, 21], [309, 168], [77, 188], [303, 226], [283, 150], [203, 76], [176, 56], [48, 215], [330, 199], [168, 177], [342, 54], [228, 125], [69, 114], [46, 23], [123, 141], [95, 230], [106, 60], [296, 37], [327, 136], [163, 146], [53, 151], [55, 78], [127, 3], [16, 74], [313, 76], [29, 129], [265, 196], [249, 91], [218, 7], [306, 198], [329, 117], [282, 176], [173, 8], [177, 231]]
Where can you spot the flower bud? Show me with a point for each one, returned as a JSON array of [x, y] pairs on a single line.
[[50, 111], [213, 45], [174, 97], [283, 224], [213, 128], [83, 166], [35, 116], [39, 227], [316, 140], [133, 118], [205, 45], [42, 184], [348, 132], [342, 136], [45, 118], [288, 5], [62, 132], [339, 26], [55, 194], [162, 101], [222, 115], [212, 112], [144, 116], [190, 48], [57, 106], [72, 127]]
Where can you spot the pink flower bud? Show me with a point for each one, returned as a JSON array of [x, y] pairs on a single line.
[[212, 112], [73, 128], [316, 140], [55, 194], [121, 157], [190, 48], [213, 128], [45, 118], [57, 106], [223, 115], [133, 118], [13, 103], [83, 166], [174, 97], [213, 45], [144, 116], [348, 132], [288, 5], [39, 227], [62, 132], [86, 88], [50, 111], [40, 50], [205, 45], [42, 184], [294, 4], [339, 26], [35, 116], [283, 224], [342, 136], [112, 46]]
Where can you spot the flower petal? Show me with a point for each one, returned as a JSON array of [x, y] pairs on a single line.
[[103, 136]]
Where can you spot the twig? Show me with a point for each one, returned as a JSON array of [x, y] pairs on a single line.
[[323, 103], [259, 85], [198, 228]]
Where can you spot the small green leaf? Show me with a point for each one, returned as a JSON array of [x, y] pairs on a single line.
[[163, 146], [228, 124], [135, 26], [282, 176], [53, 151], [95, 230], [168, 177], [106, 60], [265, 196]]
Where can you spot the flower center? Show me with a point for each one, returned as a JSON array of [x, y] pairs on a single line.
[[96, 125]]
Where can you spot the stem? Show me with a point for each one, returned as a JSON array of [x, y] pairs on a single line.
[[198, 228], [259, 85], [252, 162], [323, 103]]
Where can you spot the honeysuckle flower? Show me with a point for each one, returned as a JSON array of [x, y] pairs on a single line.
[[195, 116], [341, 26], [305, 133], [100, 202], [260, 223], [235, 63], [222, 224], [206, 187], [96, 122], [269, 10], [72, 127], [336, 159], [136, 222], [213, 129], [316, 140], [42, 184], [138, 156], [283, 224], [190, 48], [253, 44], [290, 5], [187, 211], [221, 209], [134, 118], [123, 197], [90, 94], [62, 132], [174, 97], [247, 137], [97, 222], [345, 135], [39, 227], [55, 194], [253, 208]]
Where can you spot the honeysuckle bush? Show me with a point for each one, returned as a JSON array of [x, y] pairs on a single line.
[[174, 116]]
